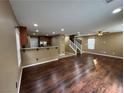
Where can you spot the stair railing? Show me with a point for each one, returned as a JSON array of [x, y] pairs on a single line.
[[79, 46], [73, 46]]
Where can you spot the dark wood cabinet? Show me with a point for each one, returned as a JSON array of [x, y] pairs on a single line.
[[23, 36], [40, 38], [45, 38]]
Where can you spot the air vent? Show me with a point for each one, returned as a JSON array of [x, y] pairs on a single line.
[[108, 1]]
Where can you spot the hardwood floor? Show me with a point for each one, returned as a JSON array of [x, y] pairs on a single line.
[[77, 74]]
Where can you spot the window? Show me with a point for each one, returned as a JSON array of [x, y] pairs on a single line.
[[91, 43]]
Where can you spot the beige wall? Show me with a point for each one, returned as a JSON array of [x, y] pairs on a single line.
[[111, 44], [60, 42], [29, 56], [8, 61]]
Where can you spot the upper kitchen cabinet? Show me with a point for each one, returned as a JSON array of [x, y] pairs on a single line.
[[23, 36]]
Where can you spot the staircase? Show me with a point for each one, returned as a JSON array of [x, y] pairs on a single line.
[[76, 46], [73, 46]]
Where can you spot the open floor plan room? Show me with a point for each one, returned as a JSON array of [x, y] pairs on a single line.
[[61, 46]]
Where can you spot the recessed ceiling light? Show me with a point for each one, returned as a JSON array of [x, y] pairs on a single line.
[[78, 32], [117, 10], [37, 30], [53, 32], [36, 25], [62, 29], [34, 34]]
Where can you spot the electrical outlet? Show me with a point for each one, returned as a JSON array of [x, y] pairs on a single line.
[[36, 59]]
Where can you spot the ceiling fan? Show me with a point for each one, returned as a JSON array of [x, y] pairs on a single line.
[[101, 33], [108, 1]]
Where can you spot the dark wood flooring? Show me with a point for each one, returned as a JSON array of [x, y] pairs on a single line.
[[77, 74]]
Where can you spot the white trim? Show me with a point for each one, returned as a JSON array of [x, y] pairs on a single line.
[[71, 54], [39, 63], [19, 82], [72, 46], [62, 54], [73, 49], [17, 33], [77, 45], [103, 54]]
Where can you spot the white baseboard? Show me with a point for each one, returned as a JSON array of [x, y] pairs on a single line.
[[103, 54], [39, 63], [67, 56], [61, 54], [71, 53], [19, 82]]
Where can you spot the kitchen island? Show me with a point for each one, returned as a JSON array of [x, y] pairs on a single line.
[[38, 55]]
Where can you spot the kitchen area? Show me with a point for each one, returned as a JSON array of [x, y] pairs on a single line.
[[36, 49]]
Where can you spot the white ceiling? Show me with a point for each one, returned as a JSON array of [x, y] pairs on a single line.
[[84, 16]]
